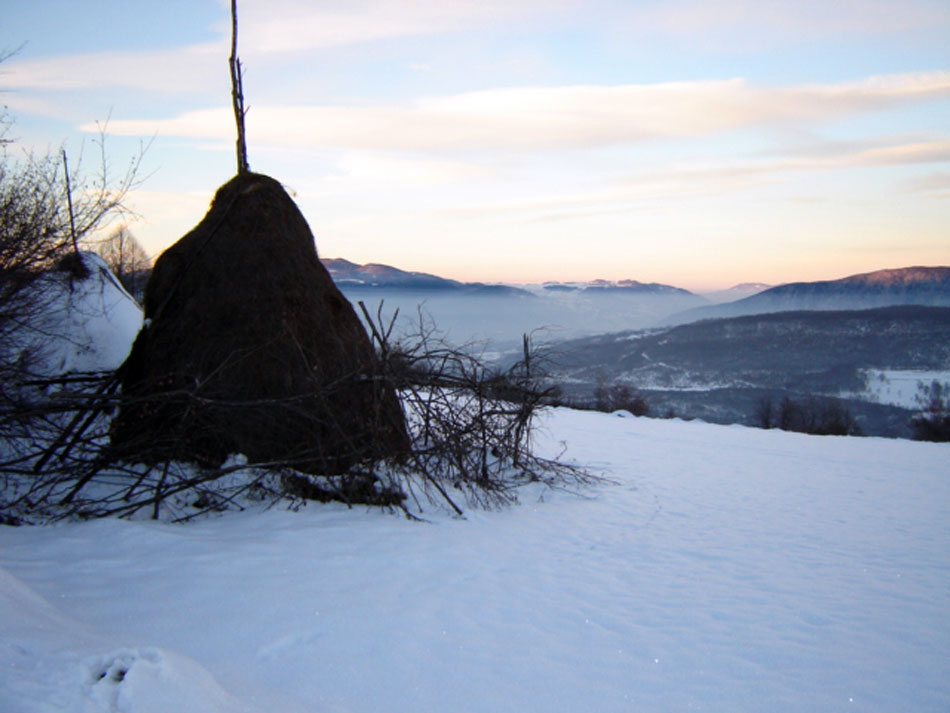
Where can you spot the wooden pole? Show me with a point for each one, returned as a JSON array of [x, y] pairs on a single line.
[[69, 205], [237, 93]]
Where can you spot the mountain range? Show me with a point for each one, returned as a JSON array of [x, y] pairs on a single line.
[[928, 286], [350, 275], [615, 287], [572, 309], [736, 292], [909, 285]]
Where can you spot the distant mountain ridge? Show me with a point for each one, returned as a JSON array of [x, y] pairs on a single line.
[[349, 275], [616, 286], [926, 286], [345, 272], [605, 305], [736, 292]]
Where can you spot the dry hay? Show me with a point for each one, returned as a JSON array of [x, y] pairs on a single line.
[[250, 348]]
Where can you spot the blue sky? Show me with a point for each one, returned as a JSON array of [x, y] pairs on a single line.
[[699, 144]]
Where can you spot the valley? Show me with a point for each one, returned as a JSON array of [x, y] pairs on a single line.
[[690, 358]]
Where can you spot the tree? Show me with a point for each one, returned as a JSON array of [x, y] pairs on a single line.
[[43, 213], [37, 229], [764, 413], [933, 422], [127, 260]]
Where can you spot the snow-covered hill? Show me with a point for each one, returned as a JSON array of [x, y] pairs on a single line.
[[929, 286], [83, 322], [726, 569]]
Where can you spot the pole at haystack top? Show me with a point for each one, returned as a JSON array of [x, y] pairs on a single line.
[[237, 93]]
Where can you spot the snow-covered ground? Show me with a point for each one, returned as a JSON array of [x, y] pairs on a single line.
[[905, 388], [726, 569]]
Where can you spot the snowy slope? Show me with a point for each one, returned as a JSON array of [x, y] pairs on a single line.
[[726, 569], [51, 663], [85, 324], [906, 387]]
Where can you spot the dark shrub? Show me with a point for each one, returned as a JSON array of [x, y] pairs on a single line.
[[620, 397]]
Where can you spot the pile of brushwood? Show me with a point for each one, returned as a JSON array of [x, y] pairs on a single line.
[[470, 430]]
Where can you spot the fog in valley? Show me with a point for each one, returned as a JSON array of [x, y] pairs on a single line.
[[499, 318]]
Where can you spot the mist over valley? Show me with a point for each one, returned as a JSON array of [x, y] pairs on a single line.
[[849, 342]]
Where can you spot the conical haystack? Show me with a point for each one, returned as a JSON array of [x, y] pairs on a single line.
[[250, 348]]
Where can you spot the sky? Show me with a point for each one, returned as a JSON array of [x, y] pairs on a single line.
[[694, 143]]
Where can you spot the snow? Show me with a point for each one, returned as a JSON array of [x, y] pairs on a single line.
[[82, 324], [51, 662], [723, 569], [901, 387]]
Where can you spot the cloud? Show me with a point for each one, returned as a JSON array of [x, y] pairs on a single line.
[[933, 184], [628, 194], [407, 172], [267, 27], [21, 103], [293, 25], [733, 25], [545, 118], [729, 176], [188, 69], [903, 154]]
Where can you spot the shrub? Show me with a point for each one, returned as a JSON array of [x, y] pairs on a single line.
[[620, 397], [933, 422], [822, 417], [931, 427]]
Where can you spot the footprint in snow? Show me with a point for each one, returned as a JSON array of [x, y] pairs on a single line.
[[107, 673]]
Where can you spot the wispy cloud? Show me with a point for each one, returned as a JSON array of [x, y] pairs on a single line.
[[935, 184], [187, 69], [267, 27], [542, 118], [756, 24], [374, 169], [713, 178], [293, 25]]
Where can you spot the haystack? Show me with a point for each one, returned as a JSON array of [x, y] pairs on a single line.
[[250, 348]]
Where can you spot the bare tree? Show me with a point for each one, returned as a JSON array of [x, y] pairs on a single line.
[[127, 260], [38, 230], [36, 224]]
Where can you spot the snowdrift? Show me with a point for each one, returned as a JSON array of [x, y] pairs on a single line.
[[725, 569], [80, 323]]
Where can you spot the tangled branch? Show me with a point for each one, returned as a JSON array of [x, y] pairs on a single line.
[[470, 428]]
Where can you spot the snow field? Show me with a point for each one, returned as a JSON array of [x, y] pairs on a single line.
[[903, 388], [724, 569]]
